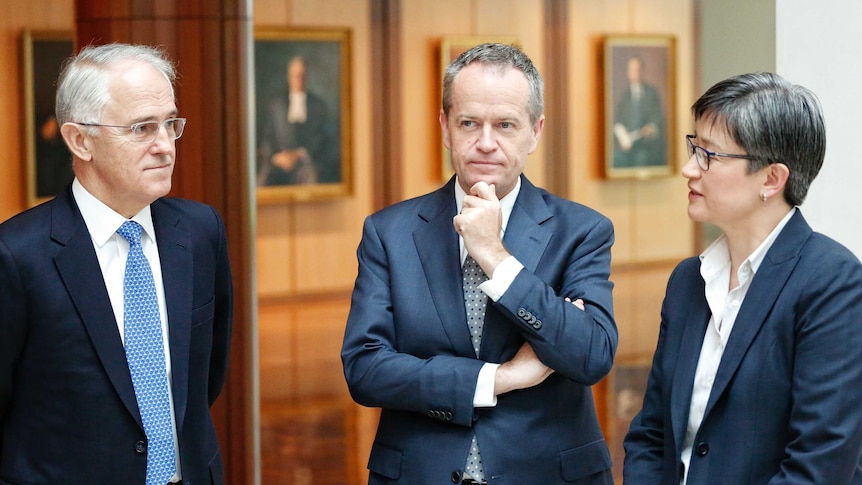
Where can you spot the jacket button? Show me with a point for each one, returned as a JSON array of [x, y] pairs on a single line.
[[521, 312], [456, 477], [140, 447], [538, 324], [702, 449], [448, 416]]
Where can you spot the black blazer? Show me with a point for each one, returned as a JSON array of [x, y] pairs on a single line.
[[784, 408], [68, 412]]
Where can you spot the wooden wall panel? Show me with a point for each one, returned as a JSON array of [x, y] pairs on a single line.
[[15, 16], [309, 247], [649, 215]]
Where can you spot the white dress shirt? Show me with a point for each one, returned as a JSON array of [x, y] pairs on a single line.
[[296, 109], [112, 250], [496, 285], [724, 305]]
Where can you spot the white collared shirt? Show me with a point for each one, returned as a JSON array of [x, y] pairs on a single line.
[[112, 250], [724, 305], [496, 285], [296, 108]]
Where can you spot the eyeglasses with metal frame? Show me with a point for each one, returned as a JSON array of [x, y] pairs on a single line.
[[704, 156], [148, 131]]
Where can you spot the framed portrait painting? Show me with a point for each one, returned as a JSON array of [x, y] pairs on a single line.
[[303, 120], [639, 106], [49, 162], [450, 49]]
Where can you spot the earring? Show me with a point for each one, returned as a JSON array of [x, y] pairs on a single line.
[[763, 197]]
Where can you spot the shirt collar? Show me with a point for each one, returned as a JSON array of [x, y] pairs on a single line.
[[717, 256], [102, 221]]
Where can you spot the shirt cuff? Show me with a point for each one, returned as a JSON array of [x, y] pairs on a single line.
[[502, 278], [484, 396]]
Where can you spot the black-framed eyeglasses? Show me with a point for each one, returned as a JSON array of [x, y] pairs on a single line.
[[704, 156], [147, 131]]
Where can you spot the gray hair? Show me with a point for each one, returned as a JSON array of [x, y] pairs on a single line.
[[503, 56], [82, 88], [775, 121]]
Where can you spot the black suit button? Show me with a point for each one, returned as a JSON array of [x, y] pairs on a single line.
[[456, 477], [702, 449], [140, 447]]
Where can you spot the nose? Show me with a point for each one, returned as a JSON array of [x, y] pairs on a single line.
[[691, 169], [164, 141], [486, 142]]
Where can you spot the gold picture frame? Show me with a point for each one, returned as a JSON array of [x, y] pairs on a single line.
[[307, 157], [48, 160], [450, 49], [639, 74]]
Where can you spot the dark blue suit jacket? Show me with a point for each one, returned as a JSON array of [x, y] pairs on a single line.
[[407, 346], [68, 412], [785, 405]]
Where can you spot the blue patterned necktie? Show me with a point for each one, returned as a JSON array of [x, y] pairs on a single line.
[[146, 357], [475, 302]]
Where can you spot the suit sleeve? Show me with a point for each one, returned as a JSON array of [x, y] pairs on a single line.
[[645, 441], [378, 371], [12, 332], [223, 317], [825, 418], [577, 344]]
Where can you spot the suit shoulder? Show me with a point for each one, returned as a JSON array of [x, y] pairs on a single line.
[[823, 255], [570, 209], [32, 221], [186, 208], [408, 211]]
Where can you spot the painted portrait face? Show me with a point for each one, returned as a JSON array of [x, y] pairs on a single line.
[[488, 129]]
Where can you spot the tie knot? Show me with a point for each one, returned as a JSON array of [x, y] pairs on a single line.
[[131, 230]]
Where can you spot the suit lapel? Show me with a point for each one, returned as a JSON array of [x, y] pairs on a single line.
[[527, 234], [682, 385], [177, 272], [437, 246], [768, 282], [86, 287]]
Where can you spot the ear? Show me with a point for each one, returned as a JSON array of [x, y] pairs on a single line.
[[77, 139], [776, 178], [444, 126], [537, 132]]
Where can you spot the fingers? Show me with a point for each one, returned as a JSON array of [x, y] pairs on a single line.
[[484, 191], [578, 303], [523, 371], [481, 191]]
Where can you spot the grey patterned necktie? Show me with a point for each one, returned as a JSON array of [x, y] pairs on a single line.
[[475, 302]]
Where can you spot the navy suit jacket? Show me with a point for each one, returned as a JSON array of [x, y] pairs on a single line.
[[68, 412], [407, 346], [785, 404]]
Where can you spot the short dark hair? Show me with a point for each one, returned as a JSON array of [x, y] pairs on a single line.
[[775, 121], [504, 56]]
